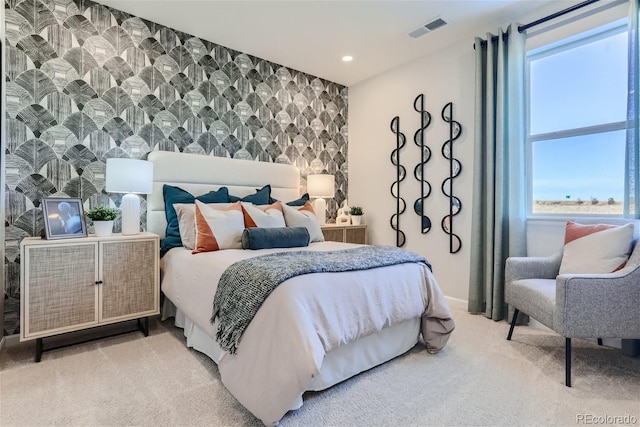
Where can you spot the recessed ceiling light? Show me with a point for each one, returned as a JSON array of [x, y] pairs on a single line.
[[347, 58]]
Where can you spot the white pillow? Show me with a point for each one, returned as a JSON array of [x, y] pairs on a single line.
[[303, 216], [265, 216], [218, 229], [596, 248], [186, 213]]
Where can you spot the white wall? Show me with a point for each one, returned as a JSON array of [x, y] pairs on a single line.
[[444, 76]]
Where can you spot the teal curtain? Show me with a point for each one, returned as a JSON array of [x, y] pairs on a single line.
[[498, 209], [632, 162]]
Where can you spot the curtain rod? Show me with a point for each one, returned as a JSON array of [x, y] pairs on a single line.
[[523, 28]]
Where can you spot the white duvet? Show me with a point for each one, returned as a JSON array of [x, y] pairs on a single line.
[[282, 349]]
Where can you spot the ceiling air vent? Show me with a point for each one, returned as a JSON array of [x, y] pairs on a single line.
[[432, 25]]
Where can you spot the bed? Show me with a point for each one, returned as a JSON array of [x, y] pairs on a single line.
[[309, 334]]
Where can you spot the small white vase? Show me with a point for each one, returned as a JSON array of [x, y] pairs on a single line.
[[356, 219], [103, 228]]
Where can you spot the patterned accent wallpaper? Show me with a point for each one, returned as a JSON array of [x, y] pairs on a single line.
[[86, 82]]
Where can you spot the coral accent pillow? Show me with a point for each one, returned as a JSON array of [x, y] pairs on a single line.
[[218, 229], [187, 221], [304, 216], [173, 195], [595, 248], [268, 216]]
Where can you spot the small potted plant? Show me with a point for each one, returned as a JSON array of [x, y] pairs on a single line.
[[102, 217], [356, 215]]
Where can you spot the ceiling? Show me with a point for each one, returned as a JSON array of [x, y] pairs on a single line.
[[312, 36]]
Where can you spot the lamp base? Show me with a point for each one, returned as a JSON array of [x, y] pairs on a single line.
[[320, 207], [130, 207]]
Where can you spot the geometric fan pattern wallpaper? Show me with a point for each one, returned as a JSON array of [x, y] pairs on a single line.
[[86, 82]]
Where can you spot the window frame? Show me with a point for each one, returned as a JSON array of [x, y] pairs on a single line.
[[568, 43]]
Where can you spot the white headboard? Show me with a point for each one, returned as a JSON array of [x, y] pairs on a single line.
[[199, 174]]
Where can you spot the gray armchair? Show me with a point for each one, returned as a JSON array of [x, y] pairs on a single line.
[[576, 305]]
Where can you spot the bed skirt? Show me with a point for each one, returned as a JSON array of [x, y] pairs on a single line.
[[338, 365]]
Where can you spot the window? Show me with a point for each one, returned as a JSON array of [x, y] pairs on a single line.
[[577, 99]]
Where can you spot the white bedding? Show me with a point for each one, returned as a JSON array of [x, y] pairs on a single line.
[[283, 348]]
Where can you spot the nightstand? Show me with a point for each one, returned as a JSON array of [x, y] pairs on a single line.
[[345, 233], [74, 284]]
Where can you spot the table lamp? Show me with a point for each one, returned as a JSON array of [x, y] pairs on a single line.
[[132, 177], [321, 186]]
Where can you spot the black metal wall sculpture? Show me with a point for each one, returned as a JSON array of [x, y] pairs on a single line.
[[425, 155], [455, 130], [401, 206]]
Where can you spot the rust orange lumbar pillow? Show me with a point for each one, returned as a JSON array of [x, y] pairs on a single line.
[[218, 229], [595, 248]]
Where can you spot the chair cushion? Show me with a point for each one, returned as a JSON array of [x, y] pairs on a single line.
[[535, 297], [595, 248]]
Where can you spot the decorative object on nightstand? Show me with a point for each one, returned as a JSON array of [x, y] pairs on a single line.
[[345, 233], [76, 284], [356, 215], [130, 176], [321, 186], [63, 218], [102, 217], [343, 216]]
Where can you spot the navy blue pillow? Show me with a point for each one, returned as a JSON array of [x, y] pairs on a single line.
[[298, 202], [260, 197], [278, 237], [173, 195], [301, 201]]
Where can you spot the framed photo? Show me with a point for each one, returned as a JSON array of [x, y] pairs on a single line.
[[63, 218]]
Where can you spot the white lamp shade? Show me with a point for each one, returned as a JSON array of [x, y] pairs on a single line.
[[321, 185], [129, 176]]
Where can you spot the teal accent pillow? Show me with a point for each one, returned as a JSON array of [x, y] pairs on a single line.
[[301, 201], [260, 197], [297, 202], [173, 195], [277, 237]]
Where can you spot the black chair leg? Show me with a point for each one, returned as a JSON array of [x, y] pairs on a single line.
[[599, 341], [513, 323], [567, 362]]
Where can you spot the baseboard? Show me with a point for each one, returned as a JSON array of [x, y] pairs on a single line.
[[457, 302]]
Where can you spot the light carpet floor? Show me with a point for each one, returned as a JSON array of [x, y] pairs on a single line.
[[480, 378]]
